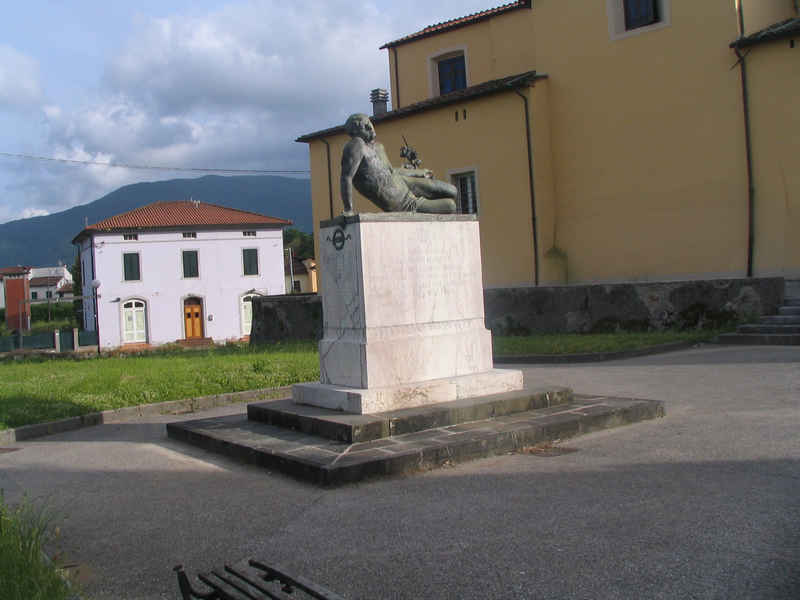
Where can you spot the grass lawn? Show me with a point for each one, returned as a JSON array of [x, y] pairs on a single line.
[[576, 343], [24, 573], [39, 390]]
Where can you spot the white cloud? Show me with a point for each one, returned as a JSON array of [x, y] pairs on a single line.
[[272, 56], [229, 89], [33, 212], [19, 80]]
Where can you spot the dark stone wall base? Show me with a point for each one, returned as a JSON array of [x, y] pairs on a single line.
[[700, 304]]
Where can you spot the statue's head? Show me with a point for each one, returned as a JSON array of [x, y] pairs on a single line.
[[359, 125]]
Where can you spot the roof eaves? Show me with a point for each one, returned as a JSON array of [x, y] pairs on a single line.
[[486, 88], [778, 31], [458, 22]]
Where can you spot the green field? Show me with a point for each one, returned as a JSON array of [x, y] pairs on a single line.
[[37, 390], [40, 390], [576, 343]]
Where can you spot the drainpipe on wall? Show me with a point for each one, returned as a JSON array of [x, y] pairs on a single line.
[[396, 79], [532, 188], [330, 185], [751, 192]]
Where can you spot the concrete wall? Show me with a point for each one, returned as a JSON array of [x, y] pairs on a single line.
[[566, 309], [632, 307], [773, 71], [221, 282], [18, 310], [289, 317], [759, 14]]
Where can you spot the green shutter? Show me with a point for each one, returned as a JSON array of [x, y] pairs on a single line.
[[190, 265], [131, 266], [250, 260]]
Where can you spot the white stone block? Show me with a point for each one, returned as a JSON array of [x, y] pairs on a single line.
[[410, 395], [402, 298]]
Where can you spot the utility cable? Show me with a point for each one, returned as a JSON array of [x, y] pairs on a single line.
[[156, 167]]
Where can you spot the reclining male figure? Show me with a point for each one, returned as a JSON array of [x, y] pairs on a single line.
[[366, 166]]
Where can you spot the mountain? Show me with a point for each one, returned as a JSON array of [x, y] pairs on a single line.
[[43, 241]]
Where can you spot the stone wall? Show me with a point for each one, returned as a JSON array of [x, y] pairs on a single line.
[[289, 317], [574, 309], [630, 306]]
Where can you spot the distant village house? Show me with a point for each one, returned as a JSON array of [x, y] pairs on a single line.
[[178, 272]]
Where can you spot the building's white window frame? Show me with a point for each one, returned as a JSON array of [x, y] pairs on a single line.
[[615, 9], [130, 237], [249, 233], [122, 309], [433, 67], [189, 235], [453, 174]]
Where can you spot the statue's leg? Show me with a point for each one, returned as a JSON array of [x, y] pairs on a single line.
[[431, 188], [442, 206]]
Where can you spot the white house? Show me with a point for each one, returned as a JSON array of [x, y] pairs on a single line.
[[178, 271], [48, 282]]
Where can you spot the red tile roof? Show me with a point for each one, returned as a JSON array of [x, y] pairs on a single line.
[[14, 271], [459, 22], [48, 281], [480, 90], [778, 31], [184, 213]]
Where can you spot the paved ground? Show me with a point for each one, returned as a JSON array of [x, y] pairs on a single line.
[[702, 504]]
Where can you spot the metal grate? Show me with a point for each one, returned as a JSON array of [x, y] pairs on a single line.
[[252, 581]]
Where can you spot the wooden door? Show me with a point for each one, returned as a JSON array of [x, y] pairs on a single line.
[[193, 318]]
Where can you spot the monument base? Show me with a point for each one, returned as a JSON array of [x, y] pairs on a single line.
[[403, 321], [380, 399]]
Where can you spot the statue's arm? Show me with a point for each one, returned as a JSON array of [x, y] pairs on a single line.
[[426, 173], [351, 159]]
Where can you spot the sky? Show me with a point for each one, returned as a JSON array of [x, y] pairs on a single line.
[[182, 83]]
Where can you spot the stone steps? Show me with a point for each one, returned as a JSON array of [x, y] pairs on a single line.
[[762, 328], [780, 320], [325, 461], [354, 428], [782, 329]]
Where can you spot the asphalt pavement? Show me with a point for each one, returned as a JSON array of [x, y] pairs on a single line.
[[704, 503]]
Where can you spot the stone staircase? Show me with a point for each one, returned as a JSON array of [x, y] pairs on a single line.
[[782, 329]]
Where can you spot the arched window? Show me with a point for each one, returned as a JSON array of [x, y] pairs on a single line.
[[134, 322]]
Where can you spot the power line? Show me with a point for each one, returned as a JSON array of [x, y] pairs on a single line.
[[155, 167]]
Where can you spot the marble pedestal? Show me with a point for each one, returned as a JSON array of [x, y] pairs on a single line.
[[402, 299]]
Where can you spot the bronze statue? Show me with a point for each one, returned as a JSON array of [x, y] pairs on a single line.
[[366, 166]]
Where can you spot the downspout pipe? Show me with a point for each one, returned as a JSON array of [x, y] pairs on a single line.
[[330, 185], [751, 191], [396, 79], [531, 186]]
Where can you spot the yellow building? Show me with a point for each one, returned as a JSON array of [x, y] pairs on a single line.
[[603, 141]]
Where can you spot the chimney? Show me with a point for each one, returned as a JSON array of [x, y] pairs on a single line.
[[379, 97]]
